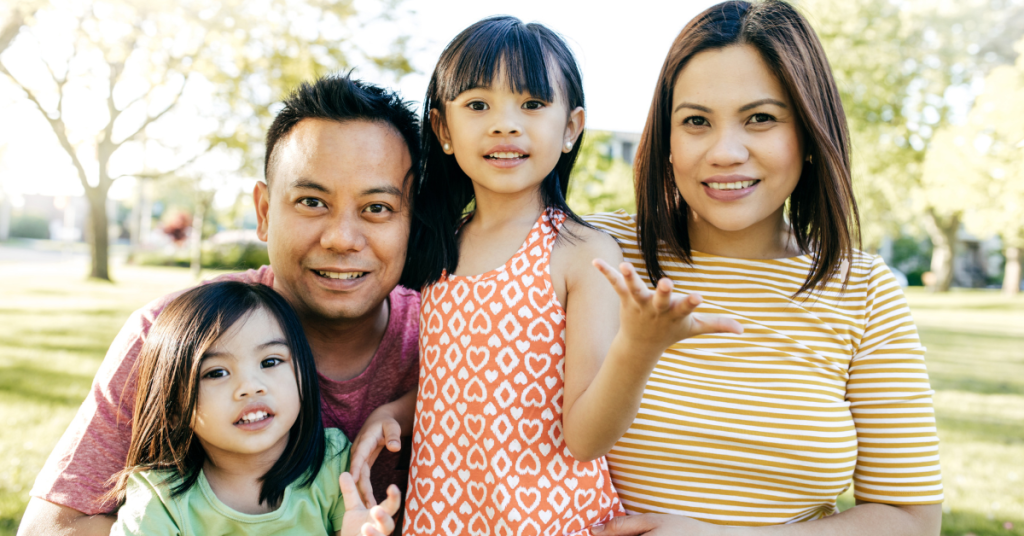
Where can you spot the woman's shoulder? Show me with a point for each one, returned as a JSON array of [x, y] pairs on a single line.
[[619, 224]]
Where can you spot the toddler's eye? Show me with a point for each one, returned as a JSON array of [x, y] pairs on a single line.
[[215, 373], [533, 105], [271, 362], [477, 106], [696, 121], [761, 118]]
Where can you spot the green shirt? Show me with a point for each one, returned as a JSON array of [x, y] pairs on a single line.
[[315, 509]]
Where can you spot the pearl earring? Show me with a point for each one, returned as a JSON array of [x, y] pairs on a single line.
[[446, 147], [809, 159], [670, 158], [568, 146]]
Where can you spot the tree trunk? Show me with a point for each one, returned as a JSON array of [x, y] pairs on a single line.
[[1011, 275], [196, 240], [99, 234], [943, 234]]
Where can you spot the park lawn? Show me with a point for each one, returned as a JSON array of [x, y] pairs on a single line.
[[55, 329]]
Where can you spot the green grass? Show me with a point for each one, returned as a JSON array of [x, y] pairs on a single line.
[[55, 329]]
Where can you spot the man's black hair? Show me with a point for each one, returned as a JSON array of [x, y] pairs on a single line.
[[340, 98]]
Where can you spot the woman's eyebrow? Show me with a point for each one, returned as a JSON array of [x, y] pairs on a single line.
[[757, 103], [682, 105]]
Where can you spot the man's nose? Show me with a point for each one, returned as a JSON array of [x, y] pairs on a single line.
[[342, 234]]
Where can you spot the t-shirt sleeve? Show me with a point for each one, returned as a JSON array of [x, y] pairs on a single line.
[[336, 462], [95, 445], [144, 511], [891, 402]]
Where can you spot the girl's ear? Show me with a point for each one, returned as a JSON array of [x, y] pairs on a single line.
[[573, 129], [441, 131]]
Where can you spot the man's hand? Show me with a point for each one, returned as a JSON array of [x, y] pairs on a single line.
[[659, 319], [362, 521], [43, 517], [381, 429]]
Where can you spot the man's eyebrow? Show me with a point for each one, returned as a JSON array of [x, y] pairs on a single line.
[[309, 184], [761, 102], [387, 190], [682, 105]]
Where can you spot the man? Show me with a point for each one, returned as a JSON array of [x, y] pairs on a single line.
[[335, 214]]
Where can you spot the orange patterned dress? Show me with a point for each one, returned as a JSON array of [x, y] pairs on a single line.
[[488, 452]]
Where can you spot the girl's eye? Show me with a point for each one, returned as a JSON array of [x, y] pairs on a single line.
[[477, 106], [533, 105], [377, 208], [215, 373], [696, 121], [311, 202], [271, 362], [761, 118]]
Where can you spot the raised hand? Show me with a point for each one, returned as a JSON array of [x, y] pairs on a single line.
[[659, 318], [360, 520]]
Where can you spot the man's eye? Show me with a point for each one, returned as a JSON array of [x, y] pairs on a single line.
[[311, 202], [477, 106], [377, 208], [533, 105], [696, 121], [762, 118], [215, 373], [271, 362]]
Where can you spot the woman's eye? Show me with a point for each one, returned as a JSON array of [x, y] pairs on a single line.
[[696, 121], [761, 118], [311, 202], [477, 106], [533, 105], [377, 208], [215, 373], [271, 362]]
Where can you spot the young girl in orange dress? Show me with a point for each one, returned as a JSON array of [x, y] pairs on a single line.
[[526, 377]]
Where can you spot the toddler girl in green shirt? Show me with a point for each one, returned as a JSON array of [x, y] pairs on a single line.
[[227, 436]]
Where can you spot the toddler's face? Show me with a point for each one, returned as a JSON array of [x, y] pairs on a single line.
[[248, 393], [507, 142]]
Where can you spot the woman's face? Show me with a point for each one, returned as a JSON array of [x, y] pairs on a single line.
[[737, 147]]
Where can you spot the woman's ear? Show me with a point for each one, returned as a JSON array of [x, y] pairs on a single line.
[[441, 131], [574, 128]]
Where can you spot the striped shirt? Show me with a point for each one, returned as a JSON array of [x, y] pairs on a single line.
[[768, 427]]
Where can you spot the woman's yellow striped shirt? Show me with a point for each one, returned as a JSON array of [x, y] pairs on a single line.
[[769, 427]]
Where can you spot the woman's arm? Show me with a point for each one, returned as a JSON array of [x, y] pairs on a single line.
[[615, 335], [865, 518]]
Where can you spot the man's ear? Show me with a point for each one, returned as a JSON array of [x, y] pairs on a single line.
[[261, 198], [574, 128], [441, 131]]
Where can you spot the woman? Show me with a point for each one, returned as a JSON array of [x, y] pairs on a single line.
[[744, 195]]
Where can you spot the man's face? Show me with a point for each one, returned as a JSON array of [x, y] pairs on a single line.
[[335, 217]]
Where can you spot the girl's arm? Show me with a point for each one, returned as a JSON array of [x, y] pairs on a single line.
[[384, 427], [615, 335], [865, 518]]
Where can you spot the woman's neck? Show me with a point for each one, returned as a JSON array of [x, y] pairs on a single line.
[[235, 478], [770, 238]]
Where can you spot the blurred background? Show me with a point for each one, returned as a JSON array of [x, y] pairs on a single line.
[[131, 135]]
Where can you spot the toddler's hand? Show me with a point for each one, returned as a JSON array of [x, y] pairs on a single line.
[[659, 318], [358, 520], [379, 430]]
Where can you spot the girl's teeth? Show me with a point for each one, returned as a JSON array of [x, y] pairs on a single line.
[[253, 417], [731, 185], [506, 155]]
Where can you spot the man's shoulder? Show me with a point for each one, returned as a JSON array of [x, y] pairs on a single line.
[[404, 299]]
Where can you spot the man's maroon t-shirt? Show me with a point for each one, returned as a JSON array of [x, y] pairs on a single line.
[[95, 445]]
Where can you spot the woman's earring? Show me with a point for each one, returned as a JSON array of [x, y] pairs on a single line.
[[670, 158], [568, 146], [446, 147], [809, 159]]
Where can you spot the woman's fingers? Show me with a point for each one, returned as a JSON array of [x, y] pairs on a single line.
[[637, 288], [613, 277], [701, 324], [662, 300]]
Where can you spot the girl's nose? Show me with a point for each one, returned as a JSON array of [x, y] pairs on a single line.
[[507, 122], [728, 149], [250, 385]]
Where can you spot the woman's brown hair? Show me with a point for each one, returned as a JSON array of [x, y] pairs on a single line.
[[168, 389], [822, 211]]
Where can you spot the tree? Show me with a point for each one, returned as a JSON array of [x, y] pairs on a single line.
[[113, 72], [904, 71], [599, 182]]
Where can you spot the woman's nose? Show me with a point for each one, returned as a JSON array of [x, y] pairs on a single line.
[[728, 149]]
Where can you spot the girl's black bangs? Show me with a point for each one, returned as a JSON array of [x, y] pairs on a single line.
[[494, 49]]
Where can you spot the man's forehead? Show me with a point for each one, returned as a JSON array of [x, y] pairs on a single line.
[[327, 155]]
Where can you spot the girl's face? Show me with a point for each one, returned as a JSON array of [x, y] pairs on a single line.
[[507, 142], [248, 392], [737, 147]]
